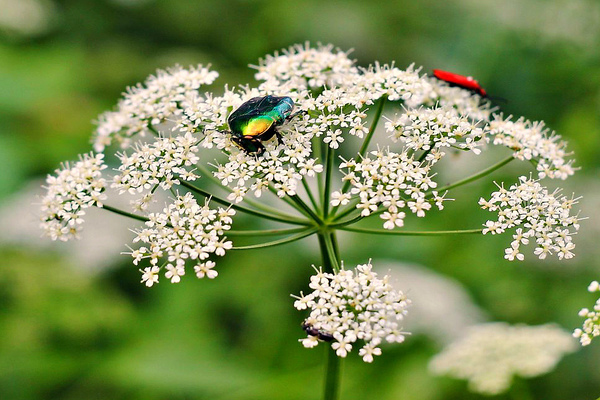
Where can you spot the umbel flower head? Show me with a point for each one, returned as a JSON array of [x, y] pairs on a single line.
[[352, 306], [308, 142], [490, 354], [591, 325]]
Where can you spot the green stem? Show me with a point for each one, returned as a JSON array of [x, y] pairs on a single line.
[[316, 146], [478, 175], [288, 200], [124, 213], [332, 375], [307, 210], [208, 174], [309, 193], [290, 239], [332, 369], [409, 233], [250, 211], [265, 232], [328, 173], [365, 144]]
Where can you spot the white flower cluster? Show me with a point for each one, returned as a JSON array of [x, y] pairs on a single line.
[[591, 325], [431, 129], [465, 102], [161, 163], [539, 215], [490, 354], [532, 141], [305, 67], [353, 305], [183, 231], [150, 104], [69, 193], [391, 180]]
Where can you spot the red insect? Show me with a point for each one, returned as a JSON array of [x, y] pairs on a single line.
[[465, 82]]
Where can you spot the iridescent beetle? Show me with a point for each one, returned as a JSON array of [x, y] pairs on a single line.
[[257, 120], [465, 82]]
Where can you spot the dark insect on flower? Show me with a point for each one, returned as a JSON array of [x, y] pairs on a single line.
[[257, 120], [319, 333], [465, 82]]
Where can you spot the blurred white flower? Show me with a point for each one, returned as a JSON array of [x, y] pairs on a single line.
[[441, 307], [591, 325], [490, 354]]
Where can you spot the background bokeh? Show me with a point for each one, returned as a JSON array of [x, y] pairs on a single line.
[[75, 323]]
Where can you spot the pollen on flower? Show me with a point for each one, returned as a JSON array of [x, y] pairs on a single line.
[[73, 189], [351, 307]]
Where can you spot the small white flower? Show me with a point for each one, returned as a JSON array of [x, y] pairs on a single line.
[[538, 214], [206, 269], [591, 325], [351, 306], [74, 188], [150, 275]]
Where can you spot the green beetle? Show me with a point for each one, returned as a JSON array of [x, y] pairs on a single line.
[[257, 120]]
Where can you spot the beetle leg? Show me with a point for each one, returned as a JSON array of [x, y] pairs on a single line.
[[292, 116]]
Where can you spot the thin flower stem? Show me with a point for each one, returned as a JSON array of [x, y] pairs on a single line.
[[288, 200], [351, 208], [327, 188], [332, 375], [250, 211], [309, 193], [478, 175], [367, 141], [206, 173], [365, 144], [318, 155], [289, 239], [422, 157], [310, 213], [124, 213], [265, 232], [332, 369], [409, 233]]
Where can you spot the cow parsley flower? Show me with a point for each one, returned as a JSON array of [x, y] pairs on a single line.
[[73, 189], [532, 141], [320, 167], [541, 216], [490, 354], [591, 325], [152, 103], [353, 306], [184, 232]]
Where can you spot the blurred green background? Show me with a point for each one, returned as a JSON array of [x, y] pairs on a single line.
[[75, 325]]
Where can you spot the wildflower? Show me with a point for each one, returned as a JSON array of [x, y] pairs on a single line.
[[541, 216], [150, 104], [184, 231], [354, 305], [69, 193], [490, 354], [591, 325]]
